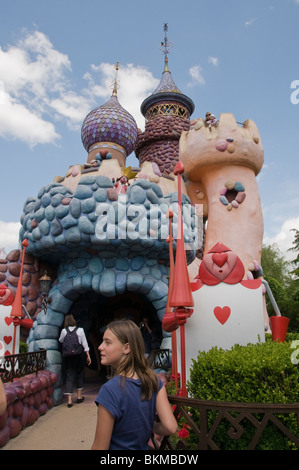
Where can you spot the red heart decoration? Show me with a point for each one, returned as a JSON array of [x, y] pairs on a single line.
[[1, 345], [7, 339], [222, 314], [7, 353], [219, 258], [8, 320]]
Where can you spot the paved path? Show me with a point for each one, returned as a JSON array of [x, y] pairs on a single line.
[[62, 428]]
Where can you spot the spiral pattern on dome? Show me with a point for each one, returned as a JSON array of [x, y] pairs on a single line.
[[110, 122]]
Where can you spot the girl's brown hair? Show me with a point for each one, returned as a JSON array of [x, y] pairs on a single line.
[[69, 320], [128, 332]]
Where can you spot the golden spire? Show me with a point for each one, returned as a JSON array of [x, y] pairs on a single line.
[[116, 83], [165, 46]]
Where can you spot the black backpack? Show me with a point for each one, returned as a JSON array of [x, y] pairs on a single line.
[[71, 346]]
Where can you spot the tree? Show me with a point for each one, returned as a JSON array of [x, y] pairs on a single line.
[[293, 290], [275, 265], [285, 289], [295, 248]]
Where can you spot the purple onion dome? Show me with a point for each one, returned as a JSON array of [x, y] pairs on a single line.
[[110, 122]]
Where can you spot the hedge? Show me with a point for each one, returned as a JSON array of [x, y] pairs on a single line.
[[262, 373]]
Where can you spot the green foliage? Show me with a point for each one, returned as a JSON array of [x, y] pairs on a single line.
[[279, 294], [23, 347], [275, 265], [254, 373], [261, 373], [295, 248], [285, 288]]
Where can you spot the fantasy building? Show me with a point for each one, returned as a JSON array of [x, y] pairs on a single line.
[[101, 230]]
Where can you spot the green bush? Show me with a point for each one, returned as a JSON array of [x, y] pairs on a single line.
[[23, 347], [261, 373]]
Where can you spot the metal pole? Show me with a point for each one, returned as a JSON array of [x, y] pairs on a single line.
[[271, 297]]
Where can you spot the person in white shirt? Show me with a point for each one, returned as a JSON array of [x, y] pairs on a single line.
[[74, 365]]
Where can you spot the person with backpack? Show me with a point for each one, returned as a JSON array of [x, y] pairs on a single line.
[[75, 354]]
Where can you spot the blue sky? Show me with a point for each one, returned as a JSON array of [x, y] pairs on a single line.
[[57, 63]]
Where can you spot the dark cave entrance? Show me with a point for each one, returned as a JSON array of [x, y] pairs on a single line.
[[93, 312]]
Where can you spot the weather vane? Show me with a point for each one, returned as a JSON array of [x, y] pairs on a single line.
[[115, 85], [165, 46]]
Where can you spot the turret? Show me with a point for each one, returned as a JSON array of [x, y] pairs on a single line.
[[167, 112], [221, 165]]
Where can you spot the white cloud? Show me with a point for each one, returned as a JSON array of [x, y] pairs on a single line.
[[36, 90], [250, 22], [71, 107], [30, 72], [9, 236], [135, 83], [196, 74], [33, 66], [285, 237], [19, 122], [213, 60]]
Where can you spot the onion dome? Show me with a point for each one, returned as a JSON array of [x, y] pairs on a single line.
[[167, 91], [110, 122]]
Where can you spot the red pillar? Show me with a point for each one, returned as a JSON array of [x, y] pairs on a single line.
[[181, 293], [17, 310]]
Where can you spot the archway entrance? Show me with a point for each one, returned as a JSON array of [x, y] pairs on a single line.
[[93, 312]]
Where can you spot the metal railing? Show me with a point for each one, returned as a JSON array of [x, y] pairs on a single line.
[[159, 359], [196, 415], [17, 365]]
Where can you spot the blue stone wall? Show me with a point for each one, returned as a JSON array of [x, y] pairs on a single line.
[[58, 221], [102, 243]]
